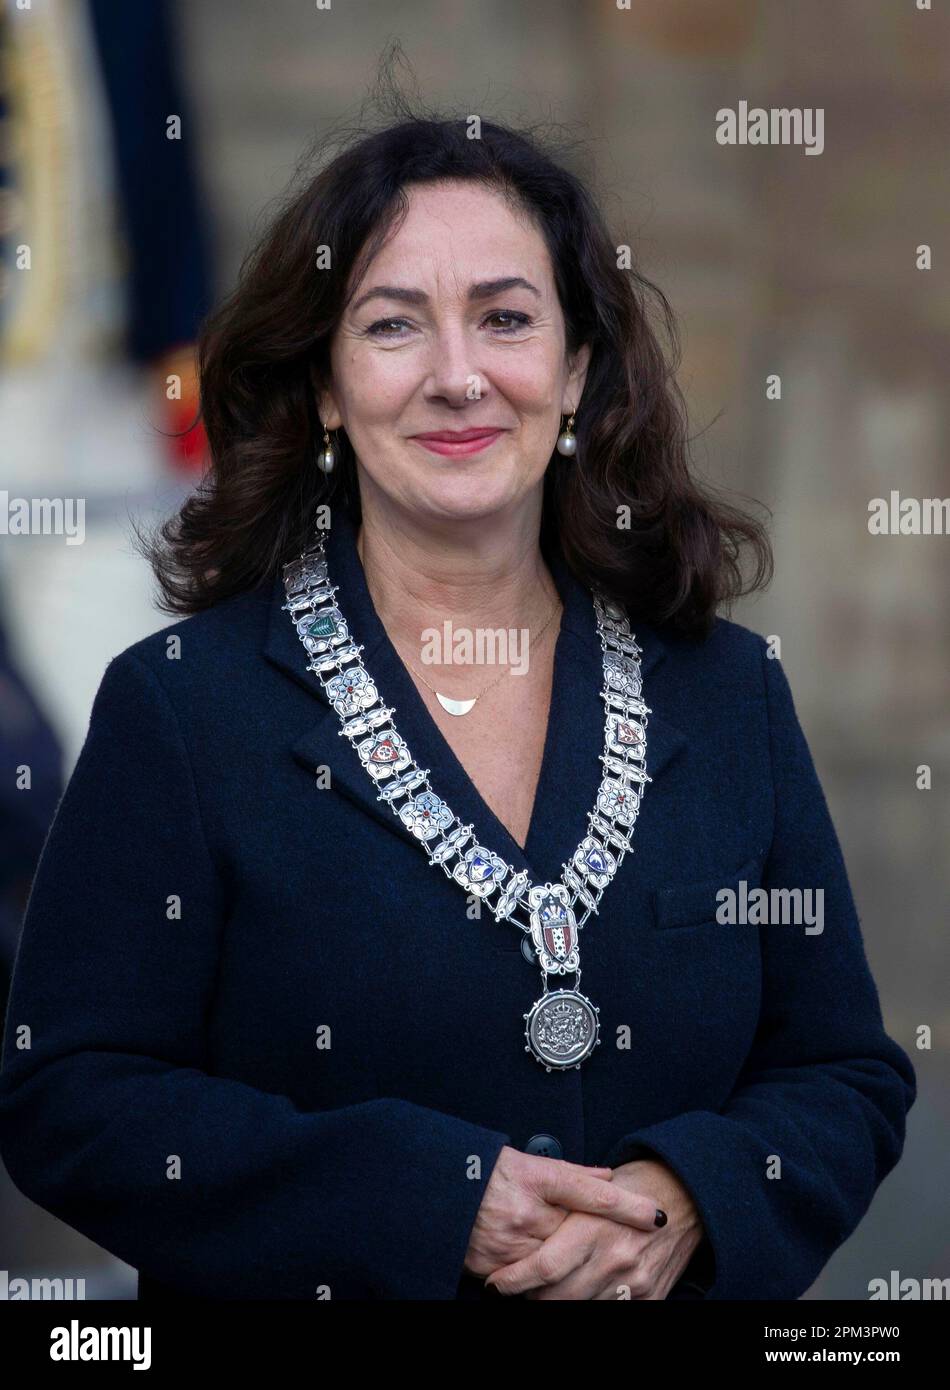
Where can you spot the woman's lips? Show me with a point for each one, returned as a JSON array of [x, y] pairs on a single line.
[[455, 443]]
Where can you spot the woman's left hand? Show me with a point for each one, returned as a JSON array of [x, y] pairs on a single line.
[[592, 1257]]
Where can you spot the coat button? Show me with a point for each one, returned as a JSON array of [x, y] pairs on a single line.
[[544, 1146], [527, 950]]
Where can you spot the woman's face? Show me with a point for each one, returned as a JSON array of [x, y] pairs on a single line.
[[455, 327]]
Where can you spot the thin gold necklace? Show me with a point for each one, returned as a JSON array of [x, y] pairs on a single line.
[[460, 707]]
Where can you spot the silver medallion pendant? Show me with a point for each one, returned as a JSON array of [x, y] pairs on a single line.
[[562, 1029]]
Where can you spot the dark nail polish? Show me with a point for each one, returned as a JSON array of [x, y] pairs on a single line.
[[493, 1291], [660, 1218]]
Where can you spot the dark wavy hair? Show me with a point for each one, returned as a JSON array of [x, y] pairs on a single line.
[[264, 350]]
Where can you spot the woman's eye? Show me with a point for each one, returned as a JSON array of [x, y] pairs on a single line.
[[381, 324], [514, 320], [511, 322]]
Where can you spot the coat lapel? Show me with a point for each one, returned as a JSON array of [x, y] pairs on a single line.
[[570, 772]]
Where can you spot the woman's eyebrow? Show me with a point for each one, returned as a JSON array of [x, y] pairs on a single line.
[[482, 289]]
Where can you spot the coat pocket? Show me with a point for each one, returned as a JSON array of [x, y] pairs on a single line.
[[695, 904]]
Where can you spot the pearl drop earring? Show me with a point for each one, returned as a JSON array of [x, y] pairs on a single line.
[[326, 459], [567, 440]]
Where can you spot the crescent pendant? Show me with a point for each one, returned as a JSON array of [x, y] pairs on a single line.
[[454, 706]]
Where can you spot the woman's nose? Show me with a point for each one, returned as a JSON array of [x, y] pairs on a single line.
[[453, 370]]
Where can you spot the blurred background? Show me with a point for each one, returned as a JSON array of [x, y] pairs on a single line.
[[120, 226]]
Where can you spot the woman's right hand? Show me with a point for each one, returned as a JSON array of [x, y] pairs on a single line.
[[526, 1200]]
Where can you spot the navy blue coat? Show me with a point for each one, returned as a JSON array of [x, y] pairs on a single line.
[[174, 1104]]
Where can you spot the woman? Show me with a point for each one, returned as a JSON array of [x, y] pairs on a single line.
[[277, 1027]]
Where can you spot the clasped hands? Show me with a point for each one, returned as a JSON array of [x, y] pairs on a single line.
[[556, 1230]]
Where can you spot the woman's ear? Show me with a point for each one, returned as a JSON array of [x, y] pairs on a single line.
[[574, 386], [330, 417]]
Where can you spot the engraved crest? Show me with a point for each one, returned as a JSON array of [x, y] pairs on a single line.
[[595, 860], [562, 1029], [320, 631], [625, 735], [553, 927], [384, 754], [480, 871]]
